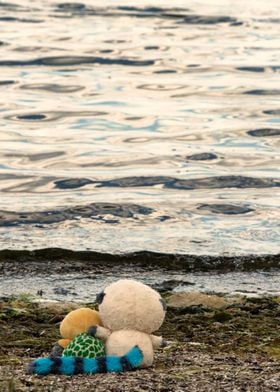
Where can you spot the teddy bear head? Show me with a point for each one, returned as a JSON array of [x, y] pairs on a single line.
[[78, 321], [128, 304]]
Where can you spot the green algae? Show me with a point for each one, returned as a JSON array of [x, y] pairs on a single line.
[[242, 327], [249, 325]]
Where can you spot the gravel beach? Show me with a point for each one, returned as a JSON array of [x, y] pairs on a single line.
[[216, 343]]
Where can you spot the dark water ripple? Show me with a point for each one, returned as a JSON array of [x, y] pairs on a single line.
[[7, 5], [197, 183], [72, 183], [273, 112], [220, 182], [263, 92], [228, 209], [13, 19], [256, 69], [32, 117], [62, 61], [93, 211], [80, 9], [203, 156], [210, 20], [264, 132], [53, 116], [6, 82], [128, 127], [178, 14], [55, 88], [225, 182], [44, 156]]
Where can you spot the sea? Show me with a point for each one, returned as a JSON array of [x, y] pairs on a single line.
[[140, 126]]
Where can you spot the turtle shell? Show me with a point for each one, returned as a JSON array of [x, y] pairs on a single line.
[[86, 346]]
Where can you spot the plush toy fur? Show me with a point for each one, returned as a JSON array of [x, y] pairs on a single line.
[[130, 311], [77, 322], [77, 365]]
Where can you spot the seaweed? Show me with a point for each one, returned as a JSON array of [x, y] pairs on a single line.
[[238, 346]]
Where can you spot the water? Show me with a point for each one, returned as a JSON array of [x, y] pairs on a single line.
[[129, 126], [83, 287]]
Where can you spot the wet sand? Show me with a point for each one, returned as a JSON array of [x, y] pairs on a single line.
[[58, 274]]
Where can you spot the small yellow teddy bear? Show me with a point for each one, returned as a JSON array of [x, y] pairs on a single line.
[[75, 339]]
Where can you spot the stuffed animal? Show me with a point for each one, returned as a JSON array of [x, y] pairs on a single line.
[[76, 342], [130, 311], [76, 322]]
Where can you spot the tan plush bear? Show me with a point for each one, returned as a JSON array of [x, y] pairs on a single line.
[[75, 340], [130, 311], [75, 322]]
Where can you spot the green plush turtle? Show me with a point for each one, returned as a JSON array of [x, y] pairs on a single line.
[[84, 345], [75, 339]]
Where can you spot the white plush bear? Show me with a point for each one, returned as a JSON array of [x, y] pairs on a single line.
[[130, 311]]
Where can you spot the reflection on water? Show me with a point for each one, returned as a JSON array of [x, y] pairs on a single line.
[[127, 127]]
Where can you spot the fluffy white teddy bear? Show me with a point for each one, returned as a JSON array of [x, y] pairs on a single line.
[[130, 311]]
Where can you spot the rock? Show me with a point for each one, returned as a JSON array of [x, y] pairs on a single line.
[[61, 291], [58, 308], [222, 317], [171, 284], [194, 298]]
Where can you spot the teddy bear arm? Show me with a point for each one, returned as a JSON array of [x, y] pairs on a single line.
[[63, 342], [157, 341], [99, 332]]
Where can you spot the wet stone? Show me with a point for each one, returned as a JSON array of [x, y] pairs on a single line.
[[171, 284], [61, 291], [222, 317], [195, 298]]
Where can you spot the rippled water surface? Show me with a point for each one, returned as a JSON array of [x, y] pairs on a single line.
[[131, 126]]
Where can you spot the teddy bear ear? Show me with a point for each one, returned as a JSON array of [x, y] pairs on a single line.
[[163, 304], [100, 297]]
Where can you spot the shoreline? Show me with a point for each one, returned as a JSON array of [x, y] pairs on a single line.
[[65, 260], [217, 344], [84, 285], [64, 275]]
